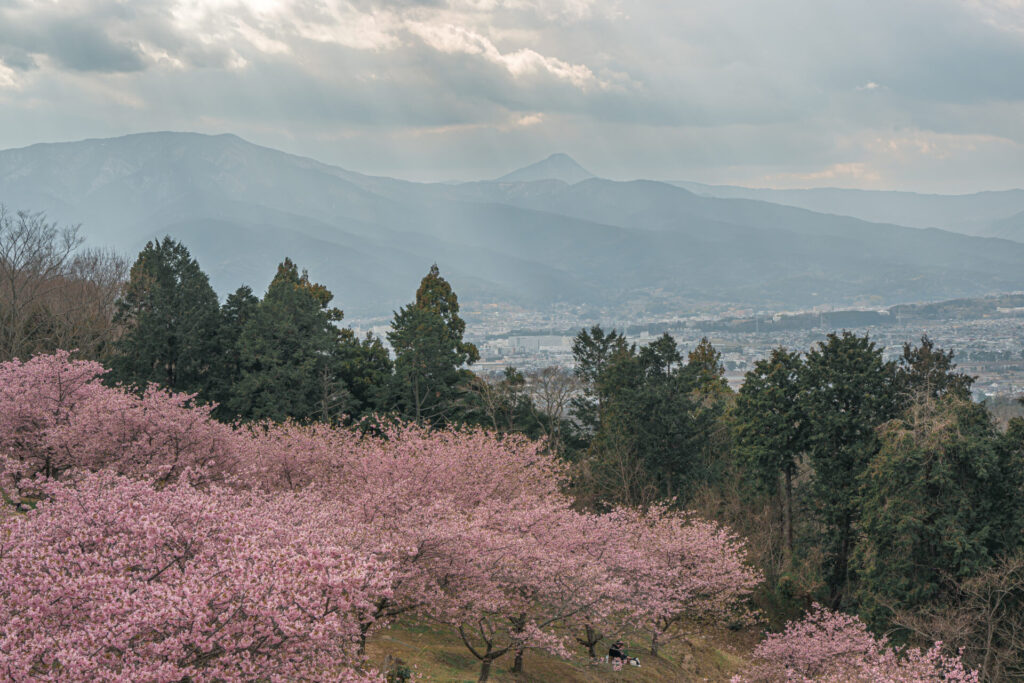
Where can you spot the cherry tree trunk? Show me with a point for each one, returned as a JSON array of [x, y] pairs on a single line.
[[518, 623], [364, 628], [593, 639], [485, 670]]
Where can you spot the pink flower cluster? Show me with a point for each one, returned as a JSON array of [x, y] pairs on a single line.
[[681, 567], [55, 414], [480, 535], [154, 543], [112, 579], [832, 646], [474, 526]]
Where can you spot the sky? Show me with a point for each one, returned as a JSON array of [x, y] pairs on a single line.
[[923, 95]]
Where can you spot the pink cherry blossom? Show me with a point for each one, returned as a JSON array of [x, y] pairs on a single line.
[[682, 567], [55, 415], [155, 543], [111, 579], [832, 646]]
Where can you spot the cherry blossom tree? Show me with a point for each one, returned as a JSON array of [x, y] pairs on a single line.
[[157, 436], [109, 578], [664, 566], [55, 414], [413, 496], [474, 525], [167, 545], [611, 608], [836, 647], [526, 571], [38, 396], [682, 567]]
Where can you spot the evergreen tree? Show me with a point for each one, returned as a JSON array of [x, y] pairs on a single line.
[[426, 336], [170, 316], [941, 502], [848, 391], [704, 365], [288, 351], [661, 357], [666, 421], [651, 432], [712, 397], [240, 306], [771, 427], [435, 294], [593, 351], [365, 368], [928, 371]]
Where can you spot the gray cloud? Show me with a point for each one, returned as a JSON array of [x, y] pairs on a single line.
[[88, 48], [75, 40], [900, 93]]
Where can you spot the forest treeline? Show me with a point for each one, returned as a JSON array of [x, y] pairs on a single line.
[[872, 487]]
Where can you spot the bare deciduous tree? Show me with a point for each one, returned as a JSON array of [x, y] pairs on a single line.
[[612, 473], [51, 295], [83, 308], [551, 390], [985, 617], [488, 393], [502, 398]]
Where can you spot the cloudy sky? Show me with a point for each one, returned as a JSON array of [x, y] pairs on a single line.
[[923, 95]]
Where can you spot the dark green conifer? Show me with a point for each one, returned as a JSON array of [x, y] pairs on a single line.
[[848, 391], [288, 353], [169, 313], [940, 503], [430, 354], [772, 429]]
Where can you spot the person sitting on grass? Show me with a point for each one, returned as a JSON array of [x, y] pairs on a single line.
[[618, 652]]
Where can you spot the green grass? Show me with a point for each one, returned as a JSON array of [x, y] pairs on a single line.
[[437, 654]]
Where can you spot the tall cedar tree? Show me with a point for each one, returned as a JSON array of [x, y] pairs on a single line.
[[848, 392], [288, 353], [430, 353], [169, 313], [435, 295], [941, 502], [928, 371], [592, 351], [653, 418], [772, 429], [712, 397], [240, 307]]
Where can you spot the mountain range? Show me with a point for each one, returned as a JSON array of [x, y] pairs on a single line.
[[989, 214], [548, 233]]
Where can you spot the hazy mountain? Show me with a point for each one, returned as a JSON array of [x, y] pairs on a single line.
[[1011, 228], [242, 208], [555, 167], [971, 214]]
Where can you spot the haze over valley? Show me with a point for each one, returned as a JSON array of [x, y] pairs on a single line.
[[547, 237]]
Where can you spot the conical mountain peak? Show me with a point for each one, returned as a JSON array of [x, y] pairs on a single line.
[[556, 167]]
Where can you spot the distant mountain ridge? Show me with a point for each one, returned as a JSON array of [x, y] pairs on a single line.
[[1011, 227], [972, 214], [555, 167], [242, 208]]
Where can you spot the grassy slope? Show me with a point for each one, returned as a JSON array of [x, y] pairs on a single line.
[[438, 655]]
